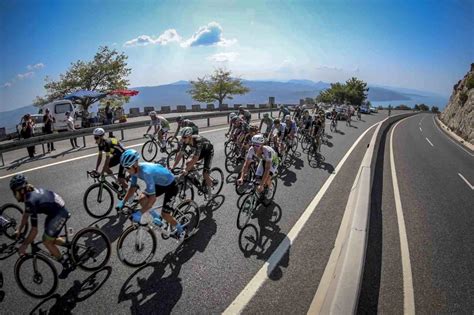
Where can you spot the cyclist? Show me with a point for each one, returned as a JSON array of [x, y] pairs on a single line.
[[306, 121], [276, 135], [186, 123], [316, 130], [268, 121], [159, 180], [266, 167], [245, 114], [252, 131], [155, 123], [283, 110], [162, 125], [234, 119], [41, 201], [113, 151], [290, 128], [201, 149], [297, 113]]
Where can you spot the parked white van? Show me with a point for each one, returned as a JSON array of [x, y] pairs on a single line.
[[58, 110]]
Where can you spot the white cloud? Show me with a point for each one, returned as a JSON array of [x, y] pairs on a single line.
[[26, 75], [7, 85], [168, 36], [208, 35], [223, 57], [36, 66]]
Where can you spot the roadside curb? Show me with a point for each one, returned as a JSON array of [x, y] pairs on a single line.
[[339, 288], [468, 146]]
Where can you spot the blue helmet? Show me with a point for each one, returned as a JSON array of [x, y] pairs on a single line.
[[18, 181], [129, 157]]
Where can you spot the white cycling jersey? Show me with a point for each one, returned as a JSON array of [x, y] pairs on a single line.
[[268, 155]]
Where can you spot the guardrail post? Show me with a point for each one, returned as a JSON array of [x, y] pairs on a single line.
[[121, 132], [83, 141], [42, 145], [208, 121], [3, 162], [258, 115]]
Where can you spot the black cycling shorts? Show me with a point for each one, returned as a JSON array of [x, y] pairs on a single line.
[[54, 224], [170, 191], [114, 161], [207, 153]]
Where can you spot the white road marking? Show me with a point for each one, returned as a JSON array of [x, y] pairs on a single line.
[[429, 142], [421, 130], [467, 182], [408, 293], [241, 301], [84, 157], [449, 138]]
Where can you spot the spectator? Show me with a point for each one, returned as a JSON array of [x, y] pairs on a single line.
[[27, 132], [108, 114], [48, 121], [70, 127]]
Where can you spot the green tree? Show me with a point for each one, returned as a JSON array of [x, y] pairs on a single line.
[[106, 71], [423, 107], [325, 96], [434, 109], [356, 91], [416, 107], [218, 87]]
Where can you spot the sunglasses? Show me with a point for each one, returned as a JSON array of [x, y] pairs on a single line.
[[256, 145]]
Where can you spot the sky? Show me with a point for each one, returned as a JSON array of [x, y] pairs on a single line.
[[424, 45]]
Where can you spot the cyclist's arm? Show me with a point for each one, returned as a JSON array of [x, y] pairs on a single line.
[[24, 221], [157, 129], [130, 192], [177, 131], [149, 193], [245, 169], [148, 129], [260, 127], [99, 160], [266, 173], [33, 231], [192, 162], [179, 156], [106, 167]]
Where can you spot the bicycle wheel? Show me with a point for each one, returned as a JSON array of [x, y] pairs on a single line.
[[136, 246], [188, 215], [13, 214], [248, 239], [246, 210], [305, 143], [231, 165], [274, 186], [171, 144], [185, 190], [172, 157], [229, 148], [90, 249], [248, 184], [294, 144], [217, 178], [98, 200], [149, 150], [36, 275]]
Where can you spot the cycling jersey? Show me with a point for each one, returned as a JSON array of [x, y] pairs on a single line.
[[268, 155], [202, 148], [155, 121], [111, 146], [153, 175], [290, 126], [165, 124], [280, 129], [306, 122], [267, 121], [46, 202], [316, 126], [189, 123], [285, 111], [247, 115]]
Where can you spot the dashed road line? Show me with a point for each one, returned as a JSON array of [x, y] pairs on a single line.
[[429, 142], [449, 138], [467, 182], [421, 130]]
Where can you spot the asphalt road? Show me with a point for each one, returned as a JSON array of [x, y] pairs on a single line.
[[437, 206], [206, 273]]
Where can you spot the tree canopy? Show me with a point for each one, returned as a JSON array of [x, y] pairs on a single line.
[[106, 71], [217, 87], [353, 91]]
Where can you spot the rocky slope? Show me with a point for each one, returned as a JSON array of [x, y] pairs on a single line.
[[459, 114]]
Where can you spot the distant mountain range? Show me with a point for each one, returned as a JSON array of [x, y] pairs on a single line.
[[285, 92]]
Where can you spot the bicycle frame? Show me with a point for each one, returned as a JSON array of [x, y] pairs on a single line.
[[103, 181]]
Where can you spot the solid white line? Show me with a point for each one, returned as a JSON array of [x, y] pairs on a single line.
[[449, 138], [84, 157], [408, 293], [429, 142], [241, 301], [467, 182]]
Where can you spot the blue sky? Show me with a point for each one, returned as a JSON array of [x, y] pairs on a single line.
[[425, 45]]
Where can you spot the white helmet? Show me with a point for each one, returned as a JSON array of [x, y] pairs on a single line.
[[258, 139], [232, 115], [186, 131], [152, 113], [98, 132], [287, 117]]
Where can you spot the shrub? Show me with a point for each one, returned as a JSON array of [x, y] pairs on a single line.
[[470, 82], [463, 98]]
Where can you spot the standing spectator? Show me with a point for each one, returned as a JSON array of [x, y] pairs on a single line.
[[27, 132], [108, 114], [70, 127], [48, 127]]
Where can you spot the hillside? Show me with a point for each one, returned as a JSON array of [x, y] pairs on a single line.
[[459, 114]]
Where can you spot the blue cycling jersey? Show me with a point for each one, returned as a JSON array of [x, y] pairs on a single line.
[[281, 128], [153, 175], [291, 126]]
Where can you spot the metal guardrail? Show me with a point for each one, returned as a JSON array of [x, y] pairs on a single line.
[[43, 139], [342, 294]]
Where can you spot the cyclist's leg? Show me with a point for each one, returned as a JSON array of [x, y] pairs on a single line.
[[208, 156], [52, 228], [170, 193]]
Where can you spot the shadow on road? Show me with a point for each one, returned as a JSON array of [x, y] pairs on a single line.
[[262, 236], [369, 294], [79, 292], [156, 287]]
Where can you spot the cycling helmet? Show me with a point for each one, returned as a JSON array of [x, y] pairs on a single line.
[[18, 181], [235, 118], [258, 139], [129, 157], [303, 106], [266, 115], [98, 132], [232, 115], [152, 113], [253, 128], [287, 117], [186, 131], [179, 119]]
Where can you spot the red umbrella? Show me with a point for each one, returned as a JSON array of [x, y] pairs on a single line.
[[124, 92]]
